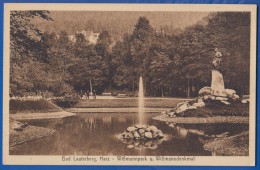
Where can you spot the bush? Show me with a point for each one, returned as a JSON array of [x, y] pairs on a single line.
[[65, 102]]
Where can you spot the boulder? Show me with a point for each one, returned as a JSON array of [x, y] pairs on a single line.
[[221, 98], [152, 128], [131, 129], [148, 135], [136, 143], [225, 102], [171, 125], [130, 146], [244, 101], [192, 107], [136, 135], [212, 97], [154, 145], [182, 108], [206, 97], [172, 114], [180, 104], [154, 135], [148, 143], [205, 91], [129, 142], [235, 97], [199, 100], [129, 135], [159, 141], [230, 92], [199, 104], [160, 134], [141, 131], [164, 112]]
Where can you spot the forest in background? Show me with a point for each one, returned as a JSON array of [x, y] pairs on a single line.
[[175, 64]]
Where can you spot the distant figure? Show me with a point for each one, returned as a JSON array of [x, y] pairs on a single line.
[[217, 60], [81, 94], [87, 94], [94, 94]]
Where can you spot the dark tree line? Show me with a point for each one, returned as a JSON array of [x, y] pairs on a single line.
[[170, 64]]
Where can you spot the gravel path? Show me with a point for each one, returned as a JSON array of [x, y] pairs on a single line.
[[113, 110], [216, 119]]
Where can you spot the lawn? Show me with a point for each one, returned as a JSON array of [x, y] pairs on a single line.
[[31, 106], [124, 103]]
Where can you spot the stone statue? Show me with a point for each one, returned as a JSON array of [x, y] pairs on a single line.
[[217, 81], [217, 60]]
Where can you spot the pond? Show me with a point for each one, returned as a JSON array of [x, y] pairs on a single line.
[[97, 134]]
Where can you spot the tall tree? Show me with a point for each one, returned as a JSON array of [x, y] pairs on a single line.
[[25, 46]]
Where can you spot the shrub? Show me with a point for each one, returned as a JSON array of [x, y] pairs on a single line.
[[65, 102]]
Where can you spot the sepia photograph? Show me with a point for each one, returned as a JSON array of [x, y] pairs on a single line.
[[121, 84]]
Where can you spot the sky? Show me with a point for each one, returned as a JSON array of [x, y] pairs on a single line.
[[71, 21]]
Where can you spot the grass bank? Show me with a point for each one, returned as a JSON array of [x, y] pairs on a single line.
[[128, 102], [21, 133], [237, 145], [33, 106]]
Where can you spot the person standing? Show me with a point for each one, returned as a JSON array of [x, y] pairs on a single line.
[[94, 94], [81, 94], [87, 94]]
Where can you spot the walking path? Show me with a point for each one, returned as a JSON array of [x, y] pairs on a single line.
[[115, 97], [113, 110]]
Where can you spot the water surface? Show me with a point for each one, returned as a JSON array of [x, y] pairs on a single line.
[[96, 134]]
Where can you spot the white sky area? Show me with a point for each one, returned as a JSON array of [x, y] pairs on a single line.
[[79, 20]]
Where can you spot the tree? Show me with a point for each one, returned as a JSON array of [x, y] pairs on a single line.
[[103, 49], [60, 59], [25, 47], [24, 36]]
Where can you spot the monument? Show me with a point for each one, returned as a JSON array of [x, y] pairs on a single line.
[[215, 93], [217, 80]]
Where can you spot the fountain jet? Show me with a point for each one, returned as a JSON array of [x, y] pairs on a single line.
[[147, 136], [141, 101]]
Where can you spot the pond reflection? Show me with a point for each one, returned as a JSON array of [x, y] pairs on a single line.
[[95, 134]]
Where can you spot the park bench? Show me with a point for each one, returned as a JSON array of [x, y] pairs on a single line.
[[106, 94], [122, 95]]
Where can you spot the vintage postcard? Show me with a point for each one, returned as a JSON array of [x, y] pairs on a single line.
[[129, 84]]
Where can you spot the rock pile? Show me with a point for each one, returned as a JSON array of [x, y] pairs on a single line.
[[227, 96], [139, 144], [142, 136], [206, 95], [17, 126], [142, 132]]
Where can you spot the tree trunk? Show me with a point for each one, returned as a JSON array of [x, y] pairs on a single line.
[[188, 88], [162, 90], [133, 80]]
